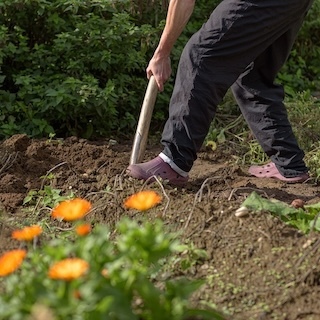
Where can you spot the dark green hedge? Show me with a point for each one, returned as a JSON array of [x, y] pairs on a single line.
[[75, 67]]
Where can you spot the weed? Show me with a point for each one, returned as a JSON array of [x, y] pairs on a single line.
[[48, 197], [305, 219], [313, 161]]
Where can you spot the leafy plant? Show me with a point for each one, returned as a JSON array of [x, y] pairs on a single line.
[[78, 67], [313, 161], [304, 110], [71, 67], [98, 274], [305, 218], [301, 72], [47, 197]]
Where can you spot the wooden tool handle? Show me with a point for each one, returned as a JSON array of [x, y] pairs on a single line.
[[141, 136]]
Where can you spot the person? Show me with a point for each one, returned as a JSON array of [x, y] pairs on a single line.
[[242, 46]]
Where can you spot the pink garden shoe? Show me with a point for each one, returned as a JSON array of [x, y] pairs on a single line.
[[156, 167], [270, 170]]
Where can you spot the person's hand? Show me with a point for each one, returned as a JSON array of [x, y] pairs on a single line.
[[179, 12], [160, 68]]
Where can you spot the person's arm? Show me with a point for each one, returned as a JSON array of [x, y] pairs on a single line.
[[178, 15]]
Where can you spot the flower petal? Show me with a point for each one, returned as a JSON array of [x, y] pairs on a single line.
[[71, 210], [27, 233], [142, 200], [10, 261], [68, 269], [83, 229]]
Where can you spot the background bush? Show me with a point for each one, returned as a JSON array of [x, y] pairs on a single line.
[[74, 67], [302, 70]]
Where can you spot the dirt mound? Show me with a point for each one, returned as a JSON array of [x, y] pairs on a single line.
[[257, 267]]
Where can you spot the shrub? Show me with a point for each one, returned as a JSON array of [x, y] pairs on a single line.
[[302, 70], [73, 67]]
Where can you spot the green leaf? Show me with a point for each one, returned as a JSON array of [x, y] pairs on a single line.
[[257, 203], [315, 224], [298, 218], [221, 138]]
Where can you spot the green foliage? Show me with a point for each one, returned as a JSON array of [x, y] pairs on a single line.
[[123, 281], [302, 70], [77, 67], [304, 112], [74, 67], [304, 219], [70, 67], [313, 161], [48, 197]]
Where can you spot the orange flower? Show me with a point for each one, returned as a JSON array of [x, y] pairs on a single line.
[[143, 200], [27, 233], [11, 261], [68, 269], [83, 229], [70, 210]]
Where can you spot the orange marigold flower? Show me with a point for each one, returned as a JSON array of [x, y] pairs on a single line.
[[68, 269], [83, 229], [27, 233], [143, 200], [10, 261], [71, 210]]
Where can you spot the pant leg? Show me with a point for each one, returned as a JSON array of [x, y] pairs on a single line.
[[236, 33], [261, 103]]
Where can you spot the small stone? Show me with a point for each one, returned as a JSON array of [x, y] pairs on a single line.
[[297, 203], [307, 244], [204, 267], [112, 142], [241, 212]]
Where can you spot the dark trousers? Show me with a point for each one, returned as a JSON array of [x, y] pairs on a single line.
[[242, 46]]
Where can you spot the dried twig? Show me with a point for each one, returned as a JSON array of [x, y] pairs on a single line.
[[48, 172], [7, 160], [244, 189], [198, 198], [314, 248], [163, 191], [118, 182], [98, 192]]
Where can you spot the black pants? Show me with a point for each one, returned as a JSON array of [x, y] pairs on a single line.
[[242, 45]]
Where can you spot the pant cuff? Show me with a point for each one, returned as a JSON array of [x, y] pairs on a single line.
[[169, 161]]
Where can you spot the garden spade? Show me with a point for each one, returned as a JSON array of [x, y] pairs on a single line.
[[141, 136]]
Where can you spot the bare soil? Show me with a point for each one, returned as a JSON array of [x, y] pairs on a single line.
[[257, 267]]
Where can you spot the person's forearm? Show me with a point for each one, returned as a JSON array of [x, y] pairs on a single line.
[[179, 13]]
